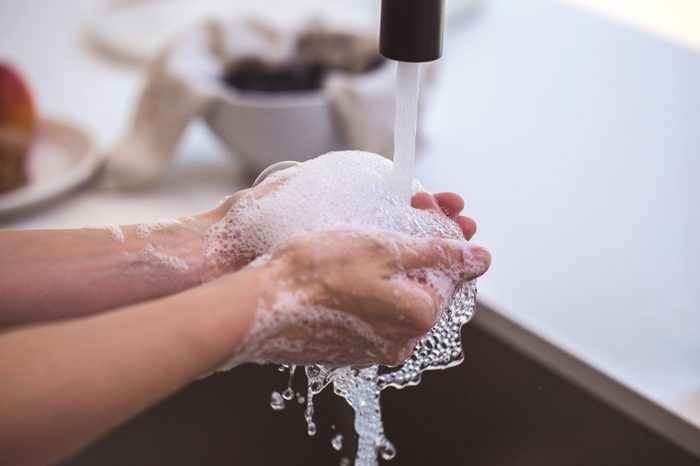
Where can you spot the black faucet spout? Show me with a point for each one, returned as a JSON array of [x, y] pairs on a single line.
[[412, 30]]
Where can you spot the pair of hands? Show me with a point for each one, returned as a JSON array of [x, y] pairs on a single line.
[[357, 298]]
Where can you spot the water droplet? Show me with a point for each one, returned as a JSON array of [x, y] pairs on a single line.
[[387, 450], [313, 371], [337, 442], [311, 430], [345, 462], [288, 394], [276, 401]]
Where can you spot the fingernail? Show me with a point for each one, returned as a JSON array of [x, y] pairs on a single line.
[[481, 254]]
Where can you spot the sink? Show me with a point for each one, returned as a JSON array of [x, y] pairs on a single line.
[[498, 408]]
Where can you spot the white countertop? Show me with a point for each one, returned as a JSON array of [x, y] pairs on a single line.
[[575, 140]]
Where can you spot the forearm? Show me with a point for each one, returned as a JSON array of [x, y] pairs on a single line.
[[65, 384], [53, 274]]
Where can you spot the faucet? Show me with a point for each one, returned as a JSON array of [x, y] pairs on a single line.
[[411, 30]]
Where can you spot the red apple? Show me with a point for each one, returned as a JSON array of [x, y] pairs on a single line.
[[16, 105], [17, 123]]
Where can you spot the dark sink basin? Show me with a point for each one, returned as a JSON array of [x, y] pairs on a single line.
[[497, 408]]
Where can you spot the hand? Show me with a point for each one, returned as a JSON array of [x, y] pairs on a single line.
[[350, 298], [449, 203]]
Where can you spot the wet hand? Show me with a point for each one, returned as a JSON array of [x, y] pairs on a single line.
[[352, 298]]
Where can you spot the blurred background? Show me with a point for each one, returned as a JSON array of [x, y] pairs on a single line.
[[571, 127]]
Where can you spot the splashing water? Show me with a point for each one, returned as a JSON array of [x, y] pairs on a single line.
[[337, 442], [439, 349], [276, 401]]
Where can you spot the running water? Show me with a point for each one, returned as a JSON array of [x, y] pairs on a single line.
[[439, 349], [405, 127]]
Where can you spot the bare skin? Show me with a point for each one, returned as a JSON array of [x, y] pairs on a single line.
[[56, 274], [67, 383], [370, 280]]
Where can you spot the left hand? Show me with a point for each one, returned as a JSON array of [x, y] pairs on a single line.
[[449, 203]]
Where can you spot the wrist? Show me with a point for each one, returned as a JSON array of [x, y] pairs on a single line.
[[219, 261], [178, 251], [232, 303], [170, 252]]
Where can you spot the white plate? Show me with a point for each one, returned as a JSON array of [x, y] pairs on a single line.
[[61, 158], [129, 32]]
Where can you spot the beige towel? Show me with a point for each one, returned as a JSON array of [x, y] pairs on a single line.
[[181, 85]]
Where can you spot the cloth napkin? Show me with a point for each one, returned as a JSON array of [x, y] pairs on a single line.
[[186, 79]]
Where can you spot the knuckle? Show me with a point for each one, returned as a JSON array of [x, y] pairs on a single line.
[[419, 322], [424, 314], [424, 322]]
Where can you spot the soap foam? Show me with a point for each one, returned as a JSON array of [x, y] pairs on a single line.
[[349, 190], [114, 230], [145, 229], [153, 254]]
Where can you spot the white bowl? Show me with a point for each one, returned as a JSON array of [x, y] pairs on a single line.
[[263, 129]]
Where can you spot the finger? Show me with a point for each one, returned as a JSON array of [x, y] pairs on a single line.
[[458, 258], [467, 225], [424, 201], [398, 353], [451, 203]]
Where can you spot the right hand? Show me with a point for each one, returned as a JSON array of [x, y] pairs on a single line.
[[353, 298]]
